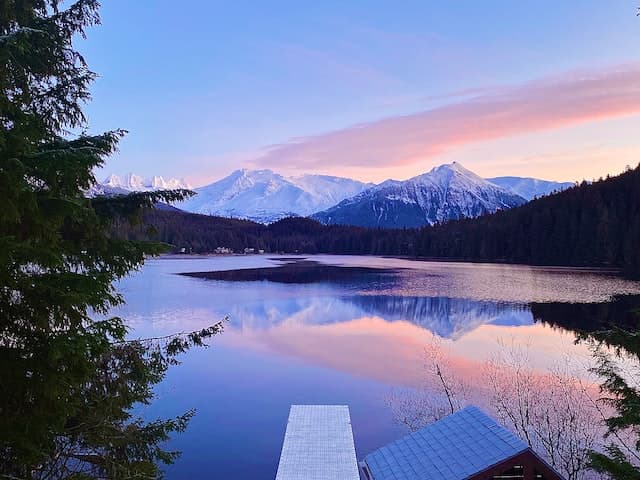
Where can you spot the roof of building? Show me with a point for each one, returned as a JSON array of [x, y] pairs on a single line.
[[453, 448], [318, 444]]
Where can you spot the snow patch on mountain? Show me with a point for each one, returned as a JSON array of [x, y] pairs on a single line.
[[530, 188]]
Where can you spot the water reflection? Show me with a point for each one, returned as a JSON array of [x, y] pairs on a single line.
[[383, 337], [621, 312], [445, 317], [399, 277], [346, 339]]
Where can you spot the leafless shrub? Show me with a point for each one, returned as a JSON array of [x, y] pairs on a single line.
[[443, 392], [554, 411]]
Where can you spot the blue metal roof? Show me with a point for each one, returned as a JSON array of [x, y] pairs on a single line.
[[454, 448]]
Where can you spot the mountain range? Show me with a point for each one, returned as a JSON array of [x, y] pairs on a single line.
[[446, 192], [114, 185], [133, 182], [265, 196]]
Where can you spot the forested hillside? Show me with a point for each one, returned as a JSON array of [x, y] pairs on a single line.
[[595, 224], [590, 224], [203, 234]]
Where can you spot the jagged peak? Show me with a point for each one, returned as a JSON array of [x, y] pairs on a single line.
[[446, 173], [454, 167], [133, 182]]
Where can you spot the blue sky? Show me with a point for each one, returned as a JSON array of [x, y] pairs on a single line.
[[206, 87]]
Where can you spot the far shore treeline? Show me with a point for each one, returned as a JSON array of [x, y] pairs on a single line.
[[591, 224]]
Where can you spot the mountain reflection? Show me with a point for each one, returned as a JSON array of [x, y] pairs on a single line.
[[446, 317]]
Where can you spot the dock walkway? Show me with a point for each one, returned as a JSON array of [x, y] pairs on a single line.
[[318, 444]]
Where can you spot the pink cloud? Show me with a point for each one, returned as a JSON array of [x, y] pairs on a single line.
[[548, 103]]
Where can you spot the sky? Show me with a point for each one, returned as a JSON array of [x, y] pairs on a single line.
[[367, 89]]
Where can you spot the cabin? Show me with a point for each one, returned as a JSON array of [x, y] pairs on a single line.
[[467, 445]]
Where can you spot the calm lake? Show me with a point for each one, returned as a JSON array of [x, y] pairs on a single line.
[[337, 330]]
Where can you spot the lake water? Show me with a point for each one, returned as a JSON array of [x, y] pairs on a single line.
[[350, 336]]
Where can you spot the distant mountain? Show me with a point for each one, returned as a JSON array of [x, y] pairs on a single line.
[[530, 188], [265, 196], [116, 185], [135, 183], [445, 193]]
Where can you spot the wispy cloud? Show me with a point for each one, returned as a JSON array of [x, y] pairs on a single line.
[[548, 103]]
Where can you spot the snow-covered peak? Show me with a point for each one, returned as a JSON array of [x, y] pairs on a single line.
[[444, 193], [112, 181], [266, 196], [159, 183], [136, 183], [445, 174]]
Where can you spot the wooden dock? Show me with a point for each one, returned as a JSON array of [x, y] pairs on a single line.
[[318, 444]]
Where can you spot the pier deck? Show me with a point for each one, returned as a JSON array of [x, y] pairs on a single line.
[[318, 444]]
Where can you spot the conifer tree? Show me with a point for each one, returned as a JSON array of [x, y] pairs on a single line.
[[621, 458], [68, 381]]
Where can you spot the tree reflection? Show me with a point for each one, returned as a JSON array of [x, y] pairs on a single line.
[[613, 332]]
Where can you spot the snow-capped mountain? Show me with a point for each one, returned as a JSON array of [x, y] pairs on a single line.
[[530, 188], [116, 185], [445, 193], [265, 196], [135, 183]]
